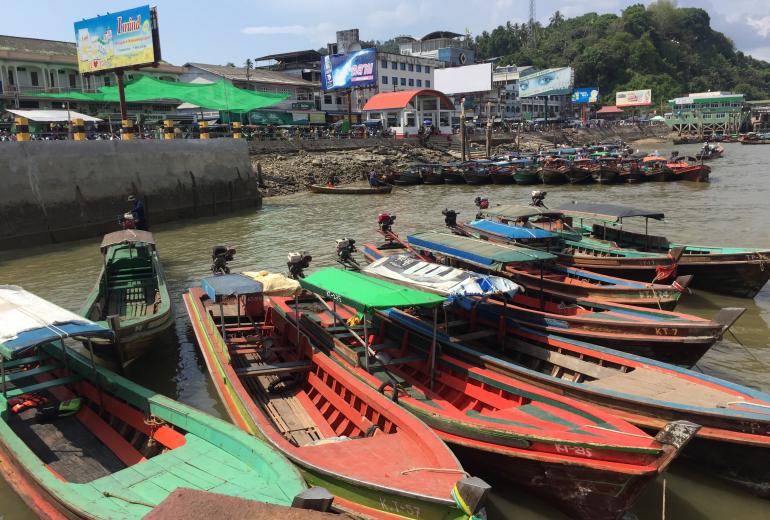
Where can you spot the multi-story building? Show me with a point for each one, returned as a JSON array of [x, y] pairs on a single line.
[[393, 72], [299, 107], [706, 113], [303, 64], [32, 66], [505, 82], [449, 47]]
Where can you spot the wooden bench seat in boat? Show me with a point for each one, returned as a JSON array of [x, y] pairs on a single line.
[[61, 381], [274, 368], [479, 334], [23, 361], [566, 361], [21, 374]]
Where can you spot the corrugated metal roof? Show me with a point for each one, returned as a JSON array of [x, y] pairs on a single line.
[[255, 75], [400, 98]]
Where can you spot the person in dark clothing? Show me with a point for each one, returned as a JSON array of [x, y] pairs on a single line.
[[137, 209]]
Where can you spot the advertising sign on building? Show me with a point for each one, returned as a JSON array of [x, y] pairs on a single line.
[[119, 40], [633, 98], [354, 69], [461, 80], [548, 82], [585, 96]]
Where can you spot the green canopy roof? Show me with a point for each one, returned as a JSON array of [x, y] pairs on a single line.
[[221, 95], [365, 293], [475, 251]]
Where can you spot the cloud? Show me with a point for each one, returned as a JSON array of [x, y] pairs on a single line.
[[760, 25], [760, 53], [402, 15], [322, 32]]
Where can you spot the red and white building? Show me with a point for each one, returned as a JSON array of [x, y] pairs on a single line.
[[406, 112]]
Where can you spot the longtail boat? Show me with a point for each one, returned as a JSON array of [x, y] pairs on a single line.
[[453, 173], [554, 171], [689, 171], [580, 171], [527, 175], [379, 461], [733, 443], [351, 190], [573, 251], [431, 173], [676, 338], [608, 170], [589, 462], [408, 177], [477, 172], [656, 169], [537, 271], [737, 271], [79, 441], [501, 172], [131, 286], [630, 172]]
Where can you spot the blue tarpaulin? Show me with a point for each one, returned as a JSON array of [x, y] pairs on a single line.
[[229, 285]]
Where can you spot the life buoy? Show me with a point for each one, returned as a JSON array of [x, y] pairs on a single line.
[[23, 402], [461, 58]]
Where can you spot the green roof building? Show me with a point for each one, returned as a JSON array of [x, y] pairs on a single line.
[[707, 113]]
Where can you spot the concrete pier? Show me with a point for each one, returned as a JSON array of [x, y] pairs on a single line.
[[54, 191]]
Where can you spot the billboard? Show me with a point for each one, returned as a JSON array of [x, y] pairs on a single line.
[[462, 80], [548, 82], [119, 40], [633, 98], [354, 69], [584, 96]]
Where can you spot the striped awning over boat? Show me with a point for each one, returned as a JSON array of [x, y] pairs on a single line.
[[440, 279], [512, 232], [365, 293], [475, 251], [27, 321]]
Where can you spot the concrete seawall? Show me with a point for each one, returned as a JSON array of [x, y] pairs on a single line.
[[54, 191]]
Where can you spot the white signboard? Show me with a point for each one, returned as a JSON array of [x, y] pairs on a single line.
[[463, 80]]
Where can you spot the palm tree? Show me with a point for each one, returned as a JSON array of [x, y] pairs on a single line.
[[249, 65], [556, 18]]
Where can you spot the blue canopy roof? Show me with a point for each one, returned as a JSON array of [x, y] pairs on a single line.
[[30, 339], [224, 285], [512, 232]]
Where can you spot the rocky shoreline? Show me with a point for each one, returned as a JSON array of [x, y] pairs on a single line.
[[283, 173]]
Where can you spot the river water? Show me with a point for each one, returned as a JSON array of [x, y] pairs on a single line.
[[733, 210]]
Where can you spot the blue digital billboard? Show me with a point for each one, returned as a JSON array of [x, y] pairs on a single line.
[[584, 96], [354, 69]]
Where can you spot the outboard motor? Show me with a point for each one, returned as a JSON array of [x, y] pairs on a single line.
[[127, 220], [385, 221], [297, 262], [450, 217], [538, 196], [481, 203], [220, 255], [345, 249]]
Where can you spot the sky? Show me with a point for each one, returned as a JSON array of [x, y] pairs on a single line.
[[224, 31]]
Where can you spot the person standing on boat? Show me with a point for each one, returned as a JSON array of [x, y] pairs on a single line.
[[373, 181], [137, 209]]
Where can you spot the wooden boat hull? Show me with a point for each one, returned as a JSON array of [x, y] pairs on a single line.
[[351, 190], [558, 176], [351, 495], [661, 175], [453, 178], [605, 176], [407, 179], [526, 176], [579, 176], [477, 180], [502, 178], [729, 443], [631, 177], [433, 178], [741, 278], [698, 173]]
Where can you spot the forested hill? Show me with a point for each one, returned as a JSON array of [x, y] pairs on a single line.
[[671, 50]]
